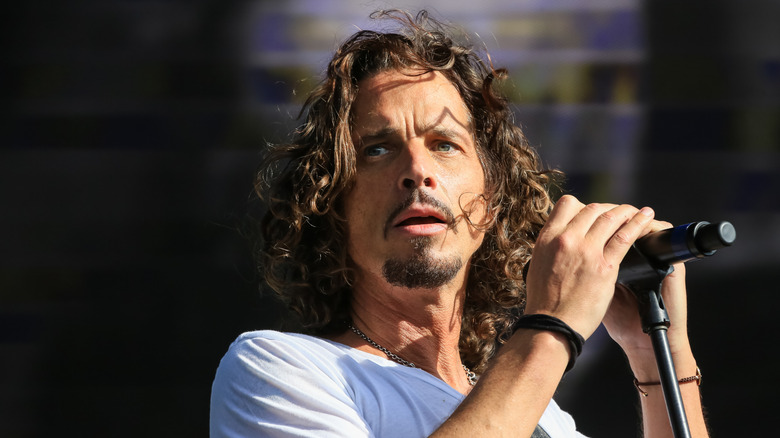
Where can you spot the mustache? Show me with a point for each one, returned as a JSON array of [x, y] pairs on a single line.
[[420, 197]]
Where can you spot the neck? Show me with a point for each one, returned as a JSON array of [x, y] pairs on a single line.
[[421, 326]]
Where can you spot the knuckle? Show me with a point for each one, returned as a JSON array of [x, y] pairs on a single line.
[[623, 238], [568, 200], [565, 242], [595, 209], [609, 216]]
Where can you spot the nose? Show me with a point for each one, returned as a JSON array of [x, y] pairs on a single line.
[[418, 169]]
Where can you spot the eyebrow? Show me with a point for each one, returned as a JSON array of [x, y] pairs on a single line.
[[441, 131], [452, 134], [381, 134]]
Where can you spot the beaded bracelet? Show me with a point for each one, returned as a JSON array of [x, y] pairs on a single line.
[[551, 323]]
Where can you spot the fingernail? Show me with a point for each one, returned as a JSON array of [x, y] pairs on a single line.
[[647, 211]]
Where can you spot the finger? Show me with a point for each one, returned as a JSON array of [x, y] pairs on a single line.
[[618, 245], [656, 225], [611, 218], [562, 213]]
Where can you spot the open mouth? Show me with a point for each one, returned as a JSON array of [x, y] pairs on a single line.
[[420, 220]]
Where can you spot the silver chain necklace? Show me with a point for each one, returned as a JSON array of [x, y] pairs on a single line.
[[470, 375]]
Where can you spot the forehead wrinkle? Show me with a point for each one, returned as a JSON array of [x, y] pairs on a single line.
[[447, 113], [437, 126], [454, 130]]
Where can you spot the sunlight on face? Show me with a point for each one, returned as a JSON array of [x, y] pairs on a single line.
[[417, 163]]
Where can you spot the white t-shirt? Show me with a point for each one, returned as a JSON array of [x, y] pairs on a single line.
[[274, 384]]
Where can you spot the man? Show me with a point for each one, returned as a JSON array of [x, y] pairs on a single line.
[[399, 223]]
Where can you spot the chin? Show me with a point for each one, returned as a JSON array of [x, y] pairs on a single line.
[[421, 271]]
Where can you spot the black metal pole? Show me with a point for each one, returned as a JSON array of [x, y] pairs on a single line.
[[668, 375]]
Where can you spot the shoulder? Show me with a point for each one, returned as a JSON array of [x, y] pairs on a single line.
[[272, 351], [278, 342], [269, 382]]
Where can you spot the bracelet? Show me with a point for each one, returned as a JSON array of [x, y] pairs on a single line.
[[551, 323], [696, 378]]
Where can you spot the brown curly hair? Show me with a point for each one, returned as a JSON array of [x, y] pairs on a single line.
[[303, 253]]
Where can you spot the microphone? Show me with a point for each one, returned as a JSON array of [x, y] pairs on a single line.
[[682, 243], [663, 248]]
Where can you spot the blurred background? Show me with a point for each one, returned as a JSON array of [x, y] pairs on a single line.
[[130, 132]]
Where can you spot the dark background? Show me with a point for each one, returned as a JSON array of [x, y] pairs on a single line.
[[128, 148]]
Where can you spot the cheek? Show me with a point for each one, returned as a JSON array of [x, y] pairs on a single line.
[[352, 229], [471, 189], [356, 209]]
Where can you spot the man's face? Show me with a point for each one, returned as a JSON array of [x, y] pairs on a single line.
[[418, 179]]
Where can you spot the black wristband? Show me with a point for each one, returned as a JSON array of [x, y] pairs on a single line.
[[553, 324]]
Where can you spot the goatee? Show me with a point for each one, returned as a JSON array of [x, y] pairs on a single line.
[[421, 270]]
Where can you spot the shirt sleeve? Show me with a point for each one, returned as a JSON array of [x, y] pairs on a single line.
[[263, 388], [558, 423]]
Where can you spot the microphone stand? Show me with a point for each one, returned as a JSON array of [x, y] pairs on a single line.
[[644, 279]]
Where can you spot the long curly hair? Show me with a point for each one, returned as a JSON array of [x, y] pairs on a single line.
[[303, 252]]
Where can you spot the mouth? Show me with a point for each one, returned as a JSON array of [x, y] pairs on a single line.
[[420, 220], [420, 215]]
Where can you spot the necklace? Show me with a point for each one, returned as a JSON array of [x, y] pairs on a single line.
[[470, 375]]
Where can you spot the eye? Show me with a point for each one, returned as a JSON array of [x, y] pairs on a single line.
[[375, 150], [445, 147]]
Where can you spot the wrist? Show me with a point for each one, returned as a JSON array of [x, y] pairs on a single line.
[[553, 347], [645, 367], [645, 387], [548, 323]]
